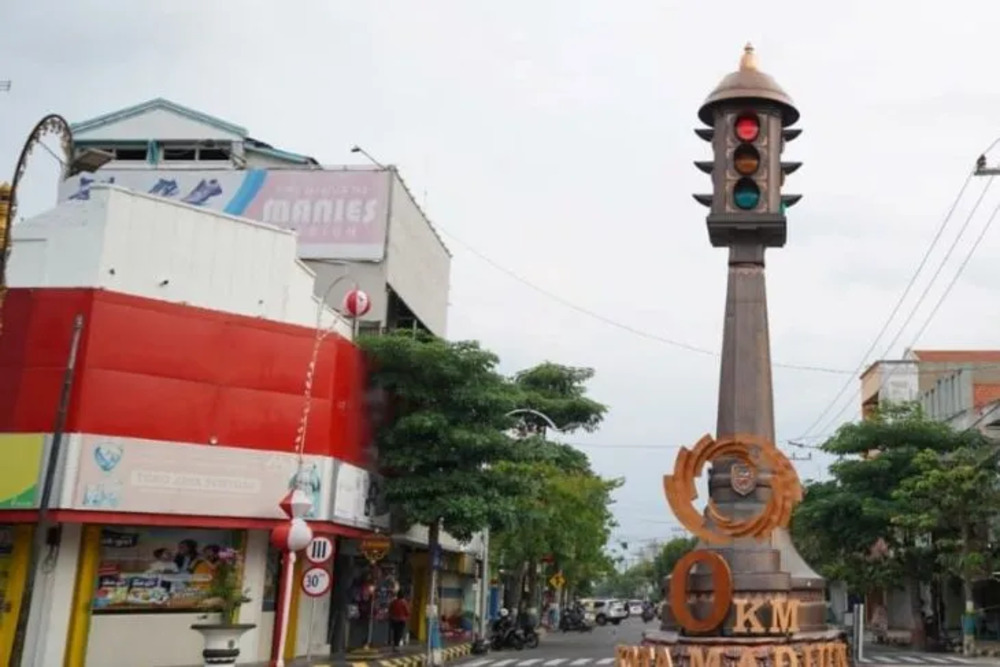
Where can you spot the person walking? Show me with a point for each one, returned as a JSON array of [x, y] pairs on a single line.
[[399, 616]]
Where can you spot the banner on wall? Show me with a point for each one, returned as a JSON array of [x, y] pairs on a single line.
[[164, 569], [338, 214], [150, 476], [21, 461], [357, 498]]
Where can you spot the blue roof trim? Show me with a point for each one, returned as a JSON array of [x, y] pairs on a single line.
[[281, 155], [158, 103]]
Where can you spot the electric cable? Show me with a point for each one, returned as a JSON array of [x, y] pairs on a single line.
[[611, 322], [958, 237], [899, 303]]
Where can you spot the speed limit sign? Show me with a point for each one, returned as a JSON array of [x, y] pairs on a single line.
[[316, 582]]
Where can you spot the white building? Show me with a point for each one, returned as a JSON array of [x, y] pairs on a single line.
[[358, 221]]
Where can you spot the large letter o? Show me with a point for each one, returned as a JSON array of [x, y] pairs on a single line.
[[722, 583]]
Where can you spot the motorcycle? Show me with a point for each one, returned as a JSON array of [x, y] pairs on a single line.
[[574, 620], [648, 613], [506, 635], [531, 638]]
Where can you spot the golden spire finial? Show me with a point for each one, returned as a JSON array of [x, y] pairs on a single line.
[[749, 59]]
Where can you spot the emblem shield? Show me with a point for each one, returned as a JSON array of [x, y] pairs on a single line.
[[743, 479]]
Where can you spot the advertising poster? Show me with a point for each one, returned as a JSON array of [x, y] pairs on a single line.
[[133, 475], [357, 498], [337, 213], [158, 569], [20, 468]]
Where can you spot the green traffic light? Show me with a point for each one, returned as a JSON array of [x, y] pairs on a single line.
[[746, 194]]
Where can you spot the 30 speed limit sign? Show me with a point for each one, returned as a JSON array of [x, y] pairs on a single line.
[[316, 582]]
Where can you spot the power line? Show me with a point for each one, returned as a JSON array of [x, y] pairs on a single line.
[[923, 295], [615, 323], [899, 302]]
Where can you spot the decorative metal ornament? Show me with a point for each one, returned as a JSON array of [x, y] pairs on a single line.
[[755, 454]]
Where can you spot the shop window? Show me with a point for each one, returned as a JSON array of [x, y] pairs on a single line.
[[158, 569]]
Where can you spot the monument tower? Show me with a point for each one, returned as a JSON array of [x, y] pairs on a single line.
[[744, 597]]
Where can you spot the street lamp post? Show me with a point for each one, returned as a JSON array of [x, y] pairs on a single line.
[[484, 596]]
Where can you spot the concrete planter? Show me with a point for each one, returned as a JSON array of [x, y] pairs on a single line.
[[222, 641]]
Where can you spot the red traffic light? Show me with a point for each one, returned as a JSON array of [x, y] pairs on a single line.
[[747, 127]]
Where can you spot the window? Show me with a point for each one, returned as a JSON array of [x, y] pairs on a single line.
[[180, 154], [134, 154], [213, 154], [157, 569]]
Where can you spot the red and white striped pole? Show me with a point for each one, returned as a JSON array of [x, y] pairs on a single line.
[[290, 538]]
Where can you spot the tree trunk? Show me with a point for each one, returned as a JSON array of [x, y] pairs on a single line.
[[917, 635], [433, 613], [968, 618], [533, 592], [517, 590]]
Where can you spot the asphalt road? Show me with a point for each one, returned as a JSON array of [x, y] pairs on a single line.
[[597, 649]]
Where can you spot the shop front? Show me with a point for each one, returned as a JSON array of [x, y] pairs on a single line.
[[21, 463], [158, 516], [363, 586]]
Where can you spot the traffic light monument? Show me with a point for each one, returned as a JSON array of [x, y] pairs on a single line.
[[744, 597]]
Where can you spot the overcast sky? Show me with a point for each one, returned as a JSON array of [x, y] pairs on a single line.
[[554, 139]]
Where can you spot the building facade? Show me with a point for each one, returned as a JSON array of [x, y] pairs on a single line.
[[191, 332], [960, 387], [355, 224]]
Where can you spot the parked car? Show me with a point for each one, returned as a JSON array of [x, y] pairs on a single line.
[[636, 607], [606, 610]]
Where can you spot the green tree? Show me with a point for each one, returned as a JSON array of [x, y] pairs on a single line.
[[952, 498], [567, 519], [443, 444], [666, 559], [848, 526], [560, 393]]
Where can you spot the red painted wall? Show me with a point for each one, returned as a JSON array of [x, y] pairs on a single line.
[[150, 369]]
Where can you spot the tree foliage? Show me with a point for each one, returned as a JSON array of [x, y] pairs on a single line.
[[909, 499], [649, 573], [443, 442], [842, 520], [566, 518]]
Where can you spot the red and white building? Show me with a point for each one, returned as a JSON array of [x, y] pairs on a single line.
[[198, 263]]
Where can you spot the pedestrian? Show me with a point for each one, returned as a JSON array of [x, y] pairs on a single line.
[[399, 616]]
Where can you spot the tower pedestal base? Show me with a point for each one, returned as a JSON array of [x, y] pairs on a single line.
[[826, 648]]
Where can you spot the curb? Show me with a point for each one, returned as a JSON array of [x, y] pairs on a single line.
[[448, 654]]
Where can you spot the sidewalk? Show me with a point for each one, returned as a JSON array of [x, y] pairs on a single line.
[[409, 656]]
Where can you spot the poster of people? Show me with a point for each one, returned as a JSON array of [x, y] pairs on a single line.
[[162, 569]]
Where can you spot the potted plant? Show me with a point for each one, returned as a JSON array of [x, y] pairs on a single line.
[[225, 595]]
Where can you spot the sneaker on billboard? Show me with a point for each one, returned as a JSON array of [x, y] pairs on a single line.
[[202, 192], [164, 188]]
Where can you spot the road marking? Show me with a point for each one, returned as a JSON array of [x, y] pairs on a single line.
[[916, 661], [478, 663], [501, 663], [605, 661], [525, 663], [940, 661], [557, 661], [581, 661]]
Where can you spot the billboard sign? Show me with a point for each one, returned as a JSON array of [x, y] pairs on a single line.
[[356, 498], [115, 474], [21, 469], [338, 214]]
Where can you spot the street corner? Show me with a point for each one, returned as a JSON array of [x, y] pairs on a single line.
[[457, 651]]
